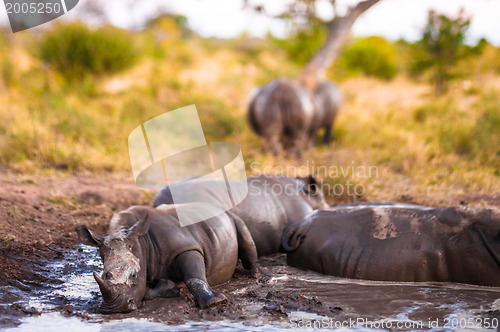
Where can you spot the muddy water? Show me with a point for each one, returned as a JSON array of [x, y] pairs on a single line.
[[69, 298]]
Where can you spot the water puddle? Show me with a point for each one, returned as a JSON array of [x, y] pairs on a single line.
[[292, 299]]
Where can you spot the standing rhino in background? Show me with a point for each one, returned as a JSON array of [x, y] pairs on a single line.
[[272, 203], [285, 110], [146, 252], [399, 242], [327, 100], [281, 112]]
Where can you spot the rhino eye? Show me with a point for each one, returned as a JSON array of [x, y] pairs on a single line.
[[108, 275], [134, 275]]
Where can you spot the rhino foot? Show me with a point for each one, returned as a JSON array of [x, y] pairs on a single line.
[[204, 295], [262, 274], [164, 288], [219, 299]]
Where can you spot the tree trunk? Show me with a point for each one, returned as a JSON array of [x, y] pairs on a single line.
[[338, 30]]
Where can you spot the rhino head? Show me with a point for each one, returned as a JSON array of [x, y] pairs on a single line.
[[124, 276], [311, 192]]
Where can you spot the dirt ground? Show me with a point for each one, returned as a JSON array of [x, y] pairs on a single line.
[[38, 215]]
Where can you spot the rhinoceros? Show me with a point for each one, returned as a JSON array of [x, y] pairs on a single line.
[[399, 242], [284, 111], [146, 251], [272, 203], [327, 100], [281, 112]]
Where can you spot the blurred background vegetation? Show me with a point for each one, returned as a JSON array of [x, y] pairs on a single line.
[[71, 94]]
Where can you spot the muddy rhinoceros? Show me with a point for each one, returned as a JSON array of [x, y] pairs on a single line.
[[146, 251], [272, 203], [399, 242]]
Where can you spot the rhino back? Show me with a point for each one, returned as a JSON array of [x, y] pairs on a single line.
[[268, 210], [281, 106], [395, 244], [214, 238]]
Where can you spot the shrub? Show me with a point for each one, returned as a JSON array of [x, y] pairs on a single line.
[[303, 43], [372, 56], [76, 50], [441, 47]]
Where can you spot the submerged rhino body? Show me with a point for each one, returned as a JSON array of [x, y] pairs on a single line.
[[399, 242], [272, 203], [146, 252]]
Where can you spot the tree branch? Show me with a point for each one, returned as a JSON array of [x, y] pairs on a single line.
[[338, 30]]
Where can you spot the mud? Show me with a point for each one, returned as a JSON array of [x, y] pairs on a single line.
[[68, 296], [46, 278]]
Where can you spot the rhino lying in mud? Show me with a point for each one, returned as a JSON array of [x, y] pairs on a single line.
[[272, 203], [399, 242], [146, 252]]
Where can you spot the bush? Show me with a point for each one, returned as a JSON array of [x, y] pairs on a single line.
[[372, 56], [441, 47], [76, 51], [303, 43]]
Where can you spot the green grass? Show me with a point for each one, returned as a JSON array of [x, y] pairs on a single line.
[[76, 50]]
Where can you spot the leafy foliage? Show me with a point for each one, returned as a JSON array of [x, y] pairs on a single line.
[[75, 50], [303, 43], [372, 56], [441, 47]]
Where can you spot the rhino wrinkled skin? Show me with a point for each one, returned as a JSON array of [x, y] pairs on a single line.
[[399, 242], [146, 252], [273, 202]]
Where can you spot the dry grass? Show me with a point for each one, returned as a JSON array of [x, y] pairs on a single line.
[[420, 145]]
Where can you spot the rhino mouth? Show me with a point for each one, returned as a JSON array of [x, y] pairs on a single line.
[[113, 303], [119, 305]]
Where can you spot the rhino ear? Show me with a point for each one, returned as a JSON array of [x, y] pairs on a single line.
[[88, 237], [310, 184], [141, 227]]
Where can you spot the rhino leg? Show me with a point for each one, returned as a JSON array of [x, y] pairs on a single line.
[[275, 145], [297, 143], [328, 135], [192, 266], [247, 251], [164, 288], [313, 138]]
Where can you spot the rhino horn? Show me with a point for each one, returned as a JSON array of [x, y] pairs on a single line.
[[107, 296]]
